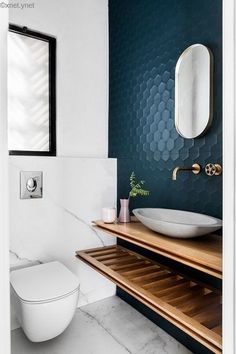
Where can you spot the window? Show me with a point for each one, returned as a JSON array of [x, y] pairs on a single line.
[[31, 92]]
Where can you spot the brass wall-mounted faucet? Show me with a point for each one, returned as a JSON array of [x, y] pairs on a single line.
[[195, 168]]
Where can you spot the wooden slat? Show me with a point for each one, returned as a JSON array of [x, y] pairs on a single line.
[[211, 317], [161, 283], [196, 306], [148, 278], [204, 253], [117, 260], [180, 284], [217, 329], [139, 272], [152, 283], [159, 300], [179, 296], [111, 256], [138, 264], [103, 251]]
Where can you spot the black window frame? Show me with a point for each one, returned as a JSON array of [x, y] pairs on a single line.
[[52, 89]]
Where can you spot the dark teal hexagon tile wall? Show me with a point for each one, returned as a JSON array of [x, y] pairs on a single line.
[[146, 38]]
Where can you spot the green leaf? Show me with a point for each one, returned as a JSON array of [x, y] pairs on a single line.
[[136, 187]]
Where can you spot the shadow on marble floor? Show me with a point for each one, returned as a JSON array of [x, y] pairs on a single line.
[[110, 326]]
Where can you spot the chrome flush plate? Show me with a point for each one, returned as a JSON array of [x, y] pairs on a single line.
[[31, 184]]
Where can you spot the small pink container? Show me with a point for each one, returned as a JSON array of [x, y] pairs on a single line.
[[124, 215]]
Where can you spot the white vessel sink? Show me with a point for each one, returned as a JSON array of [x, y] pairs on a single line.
[[177, 223]]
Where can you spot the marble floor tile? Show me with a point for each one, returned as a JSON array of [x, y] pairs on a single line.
[[110, 326]]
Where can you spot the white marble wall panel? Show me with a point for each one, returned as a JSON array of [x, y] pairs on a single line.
[[54, 227]]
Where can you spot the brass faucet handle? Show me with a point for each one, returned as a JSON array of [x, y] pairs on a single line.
[[213, 169]]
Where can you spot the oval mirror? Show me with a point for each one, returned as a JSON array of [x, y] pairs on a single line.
[[193, 91]]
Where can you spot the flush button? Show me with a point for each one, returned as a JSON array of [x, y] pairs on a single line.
[[31, 184]]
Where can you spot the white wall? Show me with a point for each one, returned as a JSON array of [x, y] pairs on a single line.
[[4, 266], [80, 181], [81, 29], [54, 227]]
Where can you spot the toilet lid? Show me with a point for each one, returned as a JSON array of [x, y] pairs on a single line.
[[43, 282]]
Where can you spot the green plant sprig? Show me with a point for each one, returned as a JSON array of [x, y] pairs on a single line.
[[136, 187]]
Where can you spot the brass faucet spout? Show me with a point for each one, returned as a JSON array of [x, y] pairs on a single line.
[[195, 168]]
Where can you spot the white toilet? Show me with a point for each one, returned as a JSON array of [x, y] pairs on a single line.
[[45, 297]]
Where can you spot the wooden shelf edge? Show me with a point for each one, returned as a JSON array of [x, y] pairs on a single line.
[[214, 271]]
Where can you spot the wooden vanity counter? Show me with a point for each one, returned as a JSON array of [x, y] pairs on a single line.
[[190, 305], [202, 253]]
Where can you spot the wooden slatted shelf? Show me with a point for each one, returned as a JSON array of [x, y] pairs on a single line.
[[192, 307], [204, 253]]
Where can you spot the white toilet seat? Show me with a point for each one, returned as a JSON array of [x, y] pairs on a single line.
[[45, 301], [43, 283]]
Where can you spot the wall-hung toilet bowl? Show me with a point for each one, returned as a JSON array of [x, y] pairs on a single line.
[[45, 297]]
